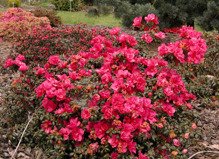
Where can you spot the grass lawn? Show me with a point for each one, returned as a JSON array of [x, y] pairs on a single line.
[[81, 17]]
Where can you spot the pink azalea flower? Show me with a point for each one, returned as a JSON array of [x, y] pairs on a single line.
[[85, 114], [100, 129], [104, 94], [77, 134], [113, 141], [20, 58], [114, 155], [160, 35], [114, 31], [47, 126], [142, 156], [54, 60], [176, 142], [184, 151], [65, 132], [194, 126], [122, 147], [147, 38], [40, 71], [137, 22], [48, 105], [8, 63], [169, 109], [132, 147], [92, 148], [152, 18], [23, 67]]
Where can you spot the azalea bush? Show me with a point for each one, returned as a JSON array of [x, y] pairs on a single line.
[[109, 101], [16, 23]]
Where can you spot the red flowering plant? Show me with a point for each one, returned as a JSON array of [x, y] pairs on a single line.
[[128, 106], [16, 23]]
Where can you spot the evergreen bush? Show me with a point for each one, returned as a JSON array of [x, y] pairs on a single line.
[[14, 3], [65, 4], [210, 18], [171, 13]]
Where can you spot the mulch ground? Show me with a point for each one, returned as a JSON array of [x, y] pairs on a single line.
[[208, 122]]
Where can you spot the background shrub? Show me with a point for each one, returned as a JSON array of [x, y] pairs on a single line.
[[54, 19], [171, 13], [16, 23], [3, 3], [14, 3], [93, 11], [65, 4], [210, 18]]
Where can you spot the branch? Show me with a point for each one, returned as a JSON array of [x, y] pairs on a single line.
[[15, 151], [217, 152]]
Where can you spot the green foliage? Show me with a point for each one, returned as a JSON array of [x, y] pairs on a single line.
[[14, 3], [3, 3], [105, 9], [210, 18], [127, 11], [171, 13], [76, 5], [54, 19]]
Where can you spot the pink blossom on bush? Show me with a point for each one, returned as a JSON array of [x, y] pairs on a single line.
[[47, 126], [169, 109], [8, 63], [85, 114], [48, 105], [54, 60], [152, 18], [147, 38], [176, 142], [137, 22], [23, 67], [184, 151], [160, 35], [20, 57], [114, 31]]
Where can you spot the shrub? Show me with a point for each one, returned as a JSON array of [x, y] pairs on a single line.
[[171, 13], [3, 3], [210, 19], [93, 11], [127, 106], [16, 23], [105, 10], [54, 19], [65, 4], [14, 3]]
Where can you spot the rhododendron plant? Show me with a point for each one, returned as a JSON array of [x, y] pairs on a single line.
[[133, 100]]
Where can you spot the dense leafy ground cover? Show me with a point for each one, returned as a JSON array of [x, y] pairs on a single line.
[[97, 92]]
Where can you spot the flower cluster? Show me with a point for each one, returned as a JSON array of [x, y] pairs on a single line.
[[150, 28], [18, 62], [191, 48], [16, 23]]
